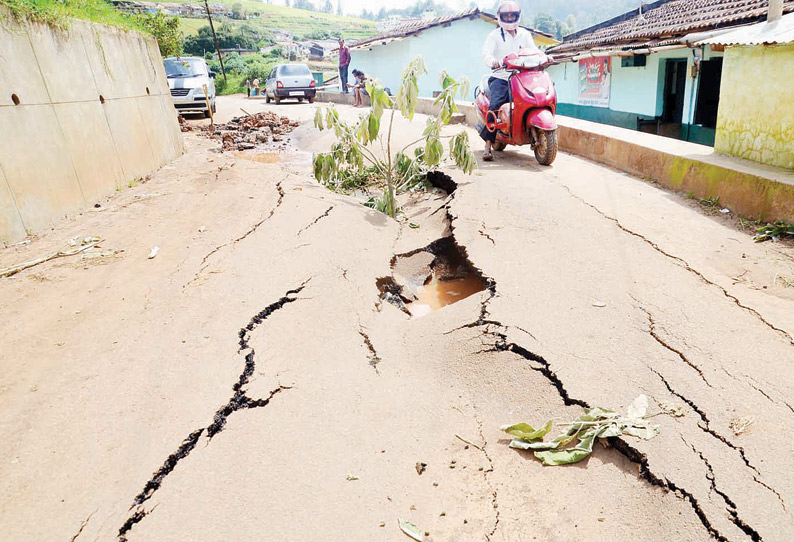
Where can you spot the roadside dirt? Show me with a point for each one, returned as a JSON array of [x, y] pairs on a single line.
[[250, 382]]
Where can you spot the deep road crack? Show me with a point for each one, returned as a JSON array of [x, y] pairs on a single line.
[[238, 401]]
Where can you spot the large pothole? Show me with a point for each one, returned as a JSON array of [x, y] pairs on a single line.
[[430, 278]]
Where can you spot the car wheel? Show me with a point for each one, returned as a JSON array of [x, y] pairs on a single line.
[[300, 100], [214, 108], [207, 114], [311, 99]]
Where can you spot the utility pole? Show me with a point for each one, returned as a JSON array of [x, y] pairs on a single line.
[[215, 38]]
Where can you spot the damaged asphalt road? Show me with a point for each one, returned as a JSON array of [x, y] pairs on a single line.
[[134, 404]]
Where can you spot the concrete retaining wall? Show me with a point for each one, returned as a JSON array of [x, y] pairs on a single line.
[[748, 189], [83, 111]]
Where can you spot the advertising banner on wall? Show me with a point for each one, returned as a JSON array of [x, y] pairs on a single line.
[[595, 75]]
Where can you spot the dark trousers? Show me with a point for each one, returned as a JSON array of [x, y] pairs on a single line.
[[343, 77], [498, 94]]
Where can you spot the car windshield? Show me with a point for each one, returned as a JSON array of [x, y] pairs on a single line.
[[294, 69], [184, 67]]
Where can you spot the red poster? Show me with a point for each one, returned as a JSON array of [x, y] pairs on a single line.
[[594, 79]]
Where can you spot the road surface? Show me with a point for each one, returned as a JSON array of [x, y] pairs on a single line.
[[248, 382]]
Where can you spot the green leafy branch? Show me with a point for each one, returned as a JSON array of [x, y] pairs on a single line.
[[594, 423], [773, 231], [352, 159]]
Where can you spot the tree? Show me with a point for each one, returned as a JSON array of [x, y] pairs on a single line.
[[571, 22], [339, 7], [328, 7], [245, 36], [303, 4], [238, 12], [287, 3], [165, 30], [352, 160], [545, 23]]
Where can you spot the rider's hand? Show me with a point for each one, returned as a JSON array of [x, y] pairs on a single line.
[[495, 65]]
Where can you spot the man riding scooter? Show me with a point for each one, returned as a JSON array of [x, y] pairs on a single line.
[[506, 39]]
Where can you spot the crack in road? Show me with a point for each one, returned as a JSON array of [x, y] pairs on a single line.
[[205, 261], [682, 262], [315, 221], [373, 356], [635, 456], [730, 505], [485, 234], [705, 423], [486, 473], [82, 526], [542, 366], [667, 346], [238, 401]]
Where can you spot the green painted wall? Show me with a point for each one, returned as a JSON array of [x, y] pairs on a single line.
[[689, 132], [756, 114], [635, 92]]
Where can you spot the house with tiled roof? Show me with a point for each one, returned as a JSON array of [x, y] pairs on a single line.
[[452, 43], [651, 69]]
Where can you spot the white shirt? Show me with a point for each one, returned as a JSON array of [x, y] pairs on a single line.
[[500, 43]]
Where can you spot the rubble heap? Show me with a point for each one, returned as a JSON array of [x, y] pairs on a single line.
[[183, 125], [243, 133]]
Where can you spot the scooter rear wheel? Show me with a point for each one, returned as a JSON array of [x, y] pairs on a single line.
[[546, 147], [499, 146]]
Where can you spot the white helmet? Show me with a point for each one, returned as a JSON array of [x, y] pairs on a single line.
[[509, 15]]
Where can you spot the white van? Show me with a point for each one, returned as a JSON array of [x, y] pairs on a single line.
[[187, 76]]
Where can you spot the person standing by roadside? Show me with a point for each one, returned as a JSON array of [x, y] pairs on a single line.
[[256, 86], [344, 63], [248, 86]]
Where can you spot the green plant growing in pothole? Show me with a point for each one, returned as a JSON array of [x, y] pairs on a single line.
[[353, 157], [773, 231], [594, 423]]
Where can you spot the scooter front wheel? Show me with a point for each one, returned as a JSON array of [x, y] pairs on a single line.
[[546, 147]]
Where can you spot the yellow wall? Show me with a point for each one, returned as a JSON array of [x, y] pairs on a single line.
[[756, 115]]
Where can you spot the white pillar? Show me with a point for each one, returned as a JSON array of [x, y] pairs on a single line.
[[775, 10]]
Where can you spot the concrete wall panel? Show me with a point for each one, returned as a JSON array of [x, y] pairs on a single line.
[[10, 221], [131, 137], [19, 69], [106, 59], [37, 165], [63, 63], [91, 147], [61, 149], [151, 114]]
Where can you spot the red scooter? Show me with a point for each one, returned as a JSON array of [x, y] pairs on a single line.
[[528, 119]]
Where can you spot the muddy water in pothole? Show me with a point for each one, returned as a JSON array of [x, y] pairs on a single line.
[[437, 294], [428, 279]]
